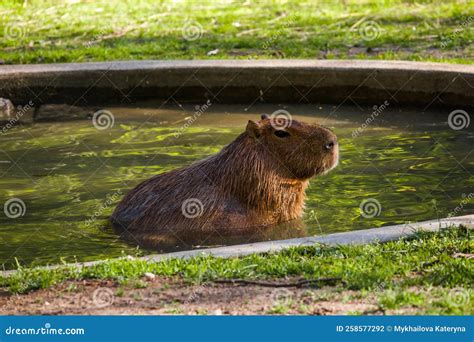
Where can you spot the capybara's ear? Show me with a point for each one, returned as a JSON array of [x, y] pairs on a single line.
[[253, 129], [264, 116]]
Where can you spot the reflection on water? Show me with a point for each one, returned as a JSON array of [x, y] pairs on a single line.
[[70, 175], [180, 240]]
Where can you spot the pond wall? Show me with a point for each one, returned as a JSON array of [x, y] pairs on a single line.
[[424, 85]]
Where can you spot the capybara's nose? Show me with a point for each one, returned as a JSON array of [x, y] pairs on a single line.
[[330, 145]]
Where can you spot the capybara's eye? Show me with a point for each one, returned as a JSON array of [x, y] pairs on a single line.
[[329, 145], [281, 133]]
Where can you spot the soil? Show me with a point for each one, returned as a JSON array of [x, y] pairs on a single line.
[[157, 295]]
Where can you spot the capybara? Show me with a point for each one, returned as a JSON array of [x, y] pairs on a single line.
[[258, 180]]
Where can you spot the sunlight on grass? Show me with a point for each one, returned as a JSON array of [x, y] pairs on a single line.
[[78, 31]]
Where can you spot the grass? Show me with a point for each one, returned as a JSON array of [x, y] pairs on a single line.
[[429, 272], [46, 31]]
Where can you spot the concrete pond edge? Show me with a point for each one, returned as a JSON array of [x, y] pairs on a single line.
[[365, 82], [365, 236]]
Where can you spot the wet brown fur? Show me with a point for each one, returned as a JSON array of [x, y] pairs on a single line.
[[257, 180]]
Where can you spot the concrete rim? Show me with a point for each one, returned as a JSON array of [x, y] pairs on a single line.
[[348, 64], [372, 235], [242, 81]]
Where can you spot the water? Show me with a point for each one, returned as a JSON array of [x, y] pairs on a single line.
[[407, 165]]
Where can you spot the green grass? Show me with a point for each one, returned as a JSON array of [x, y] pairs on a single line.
[[45, 31], [421, 272]]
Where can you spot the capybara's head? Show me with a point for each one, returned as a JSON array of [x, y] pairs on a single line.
[[303, 150]]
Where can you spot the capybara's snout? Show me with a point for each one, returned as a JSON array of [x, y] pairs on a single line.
[[326, 141], [322, 138], [329, 140]]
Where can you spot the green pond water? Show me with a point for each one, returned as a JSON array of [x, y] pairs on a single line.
[[408, 165]]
